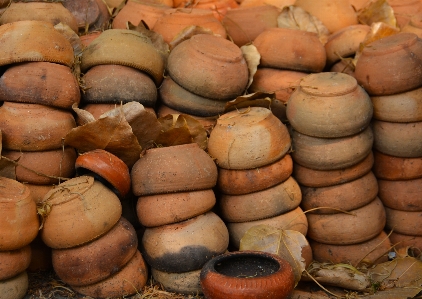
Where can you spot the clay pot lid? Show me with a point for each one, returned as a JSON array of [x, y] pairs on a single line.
[[34, 41], [391, 44], [216, 48], [108, 49], [328, 84], [11, 191], [106, 165]]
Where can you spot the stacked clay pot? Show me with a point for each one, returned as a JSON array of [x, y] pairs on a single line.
[[332, 142], [395, 89], [250, 147], [18, 228], [175, 197]]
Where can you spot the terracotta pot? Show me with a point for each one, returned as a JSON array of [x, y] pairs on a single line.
[[291, 49], [359, 226], [404, 10], [173, 169], [398, 139], [186, 283], [118, 83], [107, 49], [403, 241], [38, 191], [13, 262], [77, 212], [344, 66], [414, 25], [276, 3], [89, 15], [373, 251], [401, 195], [185, 246], [247, 275], [323, 178], [128, 281], [43, 168], [248, 138], [338, 105], [86, 39], [404, 222], [209, 66], [267, 203], [15, 287], [218, 7], [163, 209], [42, 83], [331, 153], [18, 215], [395, 168], [237, 182], [33, 127], [391, 65]]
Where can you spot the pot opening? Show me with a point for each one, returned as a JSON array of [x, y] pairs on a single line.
[[247, 266]]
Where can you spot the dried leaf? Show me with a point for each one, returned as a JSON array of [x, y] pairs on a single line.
[[377, 11], [252, 57], [83, 116], [257, 99], [394, 294], [71, 36], [187, 33]]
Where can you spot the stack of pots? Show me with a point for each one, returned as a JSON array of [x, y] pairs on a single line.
[[18, 228], [332, 142], [391, 72], [174, 185], [250, 147]]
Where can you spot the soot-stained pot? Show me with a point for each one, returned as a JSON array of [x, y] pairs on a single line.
[[187, 283]]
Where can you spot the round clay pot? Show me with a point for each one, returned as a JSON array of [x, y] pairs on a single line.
[[78, 211], [33, 127], [398, 139], [402, 107], [248, 138], [13, 262], [247, 275], [42, 83], [338, 105], [267, 203], [43, 168], [25, 41], [403, 241], [373, 251], [277, 3], [108, 167], [185, 246], [107, 49], [323, 178], [15, 287], [18, 215], [344, 66], [404, 10], [218, 7], [358, 226], [395, 168], [128, 281], [86, 39], [173, 169], [118, 83], [404, 222], [414, 25], [209, 66], [237, 182], [162, 209], [38, 191], [401, 195], [346, 197], [293, 220], [186, 283], [291, 49], [90, 15], [391, 65], [331, 153]]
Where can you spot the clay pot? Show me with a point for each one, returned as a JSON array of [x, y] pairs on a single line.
[[77, 212], [248, 138], [86, 39], [162, 209], [401, 195], [391, 65], [398, 139], [344, 66], [89, 15], [209, 66], [15, 287], [291, 49], [33, 127], [218, 7], [403, 241], [18, 215], [173, 169], [395, 168], [237, 182], [323, 178], [414, 25], [359, 226], [186, 283], [404, 10], [276, 3], [13, 262], [331, 153], [247, 275], [185, 246], [128, 281], [107, 49], [42, 83], [338, 105], [404, 222]]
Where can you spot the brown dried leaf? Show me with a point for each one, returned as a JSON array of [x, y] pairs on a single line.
[[252, 57], [83, 116], [257, 99], [377, 11], [187, 33], [71, 36]]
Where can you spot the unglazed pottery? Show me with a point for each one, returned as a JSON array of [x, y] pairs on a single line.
[[15, 287], [403, 241], [345, 66], [404, 222], [90, 15], [414, 25], [401, 195], [218, 7], [86, 39], [187, 283], [404, 10], [13, 262], [395, 168]]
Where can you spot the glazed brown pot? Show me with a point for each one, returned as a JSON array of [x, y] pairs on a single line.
[[404, 222], [395, 168], [13, 262], [186, 283], [401, 195], [15, 287]]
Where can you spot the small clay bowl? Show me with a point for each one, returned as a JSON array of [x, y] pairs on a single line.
[[414, 243], [186, 283], [77, 212], [15, 287], [108, 167], [246, 275], [414, 25], [329, 105], [391, 65], [395, 168], [404, 222], [92, 14], [284, 48], [209, 66], [25, 41], [401, 195], [248, 138], [13, 262]]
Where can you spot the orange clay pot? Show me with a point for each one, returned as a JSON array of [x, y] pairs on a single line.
[[403, 241], [13, 262], [404, 222], [395, 168], [414, 25], [401, 195]]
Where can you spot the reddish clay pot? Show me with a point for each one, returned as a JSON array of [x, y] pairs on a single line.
[[38, 191], [186, 283], [13, 262], [404, 10], [401, 195], [86, 39], [344, 66], [218, 7], [404, 222], [395, 168], [414, 25], [247, 275], [90, 15], [15, 287], [403, 241]]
